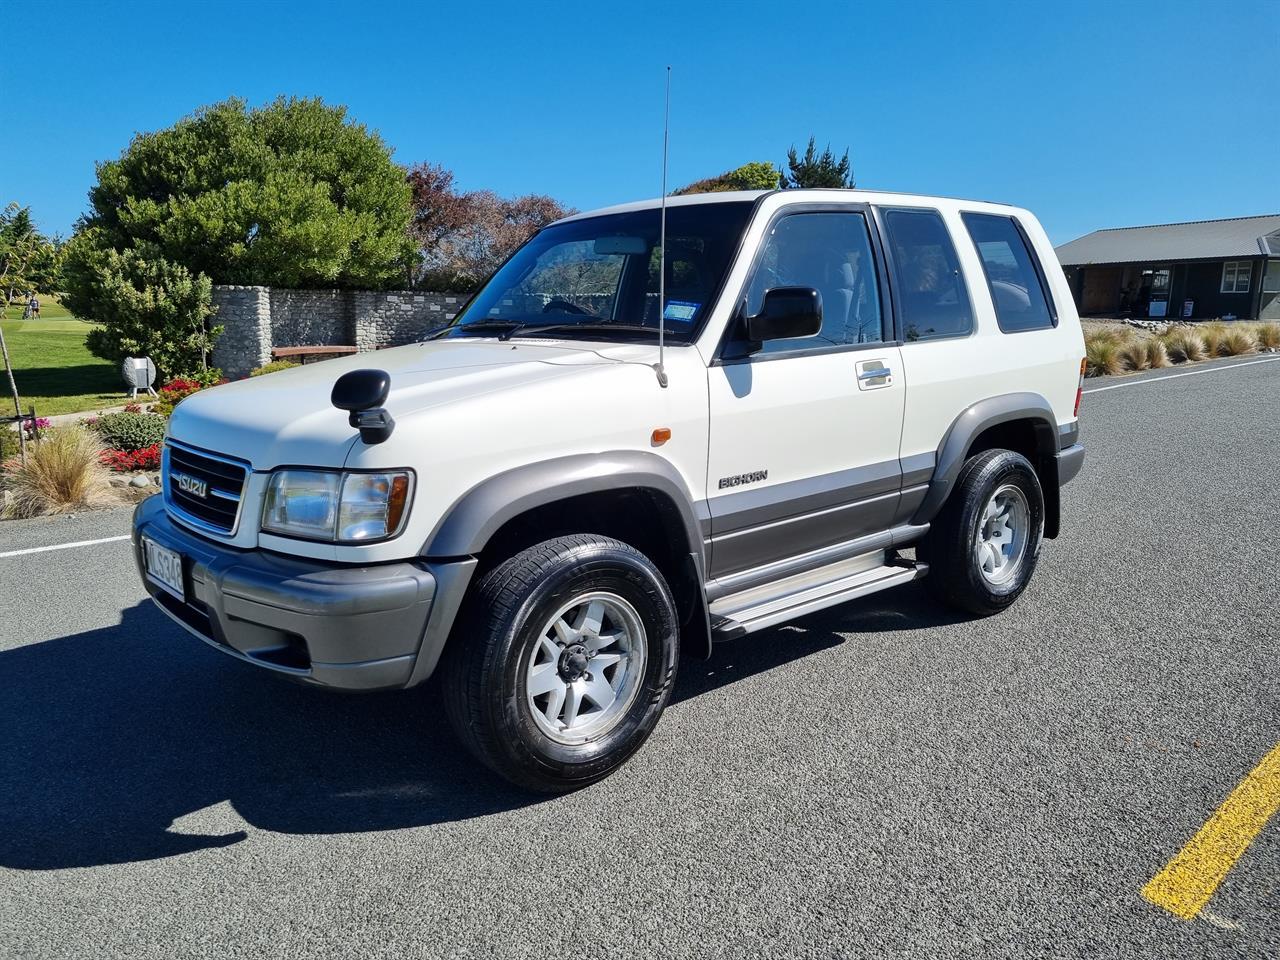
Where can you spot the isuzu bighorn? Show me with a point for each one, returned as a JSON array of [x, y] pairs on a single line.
[[539, 514]]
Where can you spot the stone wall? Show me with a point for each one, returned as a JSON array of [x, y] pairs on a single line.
[[396, 317], [245, 316], [255, 319], [309, 318]]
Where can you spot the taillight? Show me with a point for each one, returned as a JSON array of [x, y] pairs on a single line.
[[1080, 388]]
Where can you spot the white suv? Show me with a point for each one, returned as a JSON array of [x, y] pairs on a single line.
[[529, 508]]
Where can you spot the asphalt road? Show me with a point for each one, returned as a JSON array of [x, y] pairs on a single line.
[[879, 780]]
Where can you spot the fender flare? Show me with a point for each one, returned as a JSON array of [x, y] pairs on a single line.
[[479, 513], [991, 412]]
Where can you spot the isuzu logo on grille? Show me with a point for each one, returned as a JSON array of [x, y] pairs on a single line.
[[192, 485]]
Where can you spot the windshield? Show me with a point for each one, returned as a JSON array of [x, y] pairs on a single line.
[[597, 278]]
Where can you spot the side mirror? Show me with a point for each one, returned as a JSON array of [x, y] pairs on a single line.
[[785, 313], [361, 390], [362, 393]]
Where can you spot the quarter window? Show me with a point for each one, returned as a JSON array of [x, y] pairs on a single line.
[[931, 288], [1013, 276], [831, 252], [1235, 276]]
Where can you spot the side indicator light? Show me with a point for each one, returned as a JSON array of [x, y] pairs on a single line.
[[660, 436]]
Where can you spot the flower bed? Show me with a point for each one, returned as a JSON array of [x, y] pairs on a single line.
[[128, 445], [128, 461]]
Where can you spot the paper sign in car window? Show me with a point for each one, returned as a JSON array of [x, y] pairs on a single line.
[[680, 310]]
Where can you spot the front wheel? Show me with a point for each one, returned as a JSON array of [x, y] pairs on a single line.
[[983, 546], [563, 662]]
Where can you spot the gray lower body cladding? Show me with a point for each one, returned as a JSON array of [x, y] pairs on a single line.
[[331, 625]]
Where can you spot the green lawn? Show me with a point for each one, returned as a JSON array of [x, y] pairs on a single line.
[[53, 368], [50, 309]]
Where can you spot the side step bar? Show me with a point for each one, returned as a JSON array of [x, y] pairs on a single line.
[[744, 613]]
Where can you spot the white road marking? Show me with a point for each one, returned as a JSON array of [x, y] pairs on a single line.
[[1189, 373], [62, 546]]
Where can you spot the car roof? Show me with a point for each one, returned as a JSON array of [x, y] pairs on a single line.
[[811, 195]]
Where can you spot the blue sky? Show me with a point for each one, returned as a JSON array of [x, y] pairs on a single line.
[[1092, 114]]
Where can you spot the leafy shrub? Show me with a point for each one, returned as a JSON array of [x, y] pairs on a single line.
[[1184, 345], [146, 307], [8, 443], [1102, 357], [207, 377], [1157, 355], [179, 388], [148, 458], [1236, 342], [62, 474], [273, 367], [130, 431], [1133, 355]]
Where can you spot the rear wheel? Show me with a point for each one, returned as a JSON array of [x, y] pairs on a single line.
[[563, 663], [983, 547]]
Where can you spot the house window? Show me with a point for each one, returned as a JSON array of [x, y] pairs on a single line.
[[1271, 282], [1235, 276]]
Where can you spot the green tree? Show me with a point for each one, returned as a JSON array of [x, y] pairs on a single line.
[[757, 175], [147, 306], [292, 194], [817, 170], [28, 259]]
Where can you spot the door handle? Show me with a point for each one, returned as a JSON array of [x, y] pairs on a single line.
[[874, 375]]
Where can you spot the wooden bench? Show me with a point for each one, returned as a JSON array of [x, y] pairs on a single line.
[[303, 354]]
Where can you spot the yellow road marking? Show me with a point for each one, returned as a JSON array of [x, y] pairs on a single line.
[[1187, 882]]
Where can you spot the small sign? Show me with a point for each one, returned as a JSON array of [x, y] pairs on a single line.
[[1188, 308], [680, 310]]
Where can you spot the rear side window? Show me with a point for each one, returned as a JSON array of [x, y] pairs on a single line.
[[1013, 274], [934, 301]]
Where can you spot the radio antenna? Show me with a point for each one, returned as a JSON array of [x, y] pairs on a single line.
[[660, 367]]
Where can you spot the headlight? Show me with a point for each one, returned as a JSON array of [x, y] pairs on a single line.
[[342, 507]]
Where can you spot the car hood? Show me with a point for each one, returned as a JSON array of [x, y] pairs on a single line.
[[287, 417]]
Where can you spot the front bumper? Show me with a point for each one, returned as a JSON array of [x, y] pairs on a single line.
[[344, 627]]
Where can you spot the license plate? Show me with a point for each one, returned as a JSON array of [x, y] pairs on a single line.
[[164, 567]]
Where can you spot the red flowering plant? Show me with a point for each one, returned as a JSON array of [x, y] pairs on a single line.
[[125, 461], [179, 388]]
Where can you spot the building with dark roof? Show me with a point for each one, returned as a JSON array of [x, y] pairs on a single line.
[[1194, 271]]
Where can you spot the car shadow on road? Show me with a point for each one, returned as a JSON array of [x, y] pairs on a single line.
[[904, 608], [109, 736]]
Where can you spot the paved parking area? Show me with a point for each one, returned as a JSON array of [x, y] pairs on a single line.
[[883, 779]]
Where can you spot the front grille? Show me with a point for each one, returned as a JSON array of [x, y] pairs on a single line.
[[219, 509]]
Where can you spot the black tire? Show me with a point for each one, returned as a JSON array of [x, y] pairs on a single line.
[[955, 575], [483, 676]]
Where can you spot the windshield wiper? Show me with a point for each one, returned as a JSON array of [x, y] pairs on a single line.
[[476, 325], [527, 328]]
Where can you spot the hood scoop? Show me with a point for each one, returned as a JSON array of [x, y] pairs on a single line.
[[362, 393]]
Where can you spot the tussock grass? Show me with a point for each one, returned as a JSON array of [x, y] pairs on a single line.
[[1133, 356], [1183, 345], [1236, 342], [1102, 356], [62, 474], [1157, 355], [1268, 335]]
